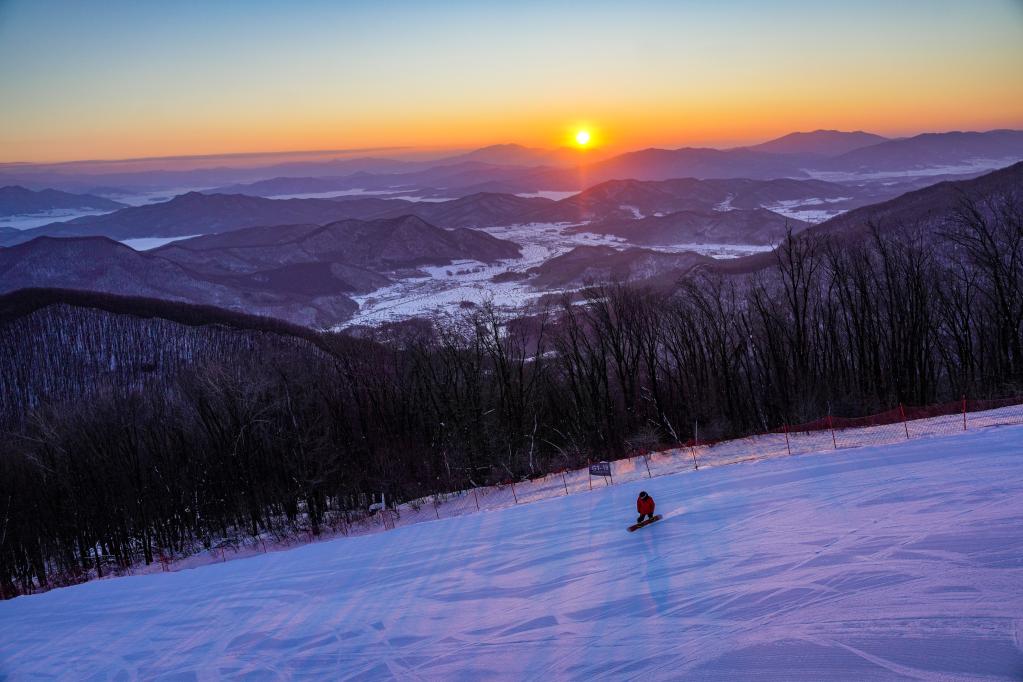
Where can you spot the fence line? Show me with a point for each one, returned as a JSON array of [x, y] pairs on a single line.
[[828, 433]]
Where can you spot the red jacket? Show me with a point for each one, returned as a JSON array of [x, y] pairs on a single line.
[[645, 505]]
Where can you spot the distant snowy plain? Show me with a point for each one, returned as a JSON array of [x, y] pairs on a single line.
[[890, 562], [443, 289]]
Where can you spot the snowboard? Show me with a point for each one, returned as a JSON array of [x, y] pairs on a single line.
[[637, 526]]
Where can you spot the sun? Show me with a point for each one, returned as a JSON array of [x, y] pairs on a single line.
[[582, 138]]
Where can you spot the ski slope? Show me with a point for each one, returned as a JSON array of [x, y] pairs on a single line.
[[894, 562]]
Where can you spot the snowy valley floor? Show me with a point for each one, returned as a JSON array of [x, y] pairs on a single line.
[[891, 562]]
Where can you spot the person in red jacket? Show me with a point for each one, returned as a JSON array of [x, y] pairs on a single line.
[[645, 507]]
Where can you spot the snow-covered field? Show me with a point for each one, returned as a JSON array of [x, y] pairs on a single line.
[[901, 561], [971, 166], [148, 243], [811, 210], [444, 288], [382, 194], [555, 195]]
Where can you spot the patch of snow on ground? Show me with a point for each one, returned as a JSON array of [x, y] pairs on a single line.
[[972, 166], [883, 562], [719, 251], [442, 293], [808, 209], [383, 194], [446, 287], [379, 193], [549, 194], [147, 243]]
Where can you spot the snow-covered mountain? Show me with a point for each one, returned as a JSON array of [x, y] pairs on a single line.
[[875, 563]]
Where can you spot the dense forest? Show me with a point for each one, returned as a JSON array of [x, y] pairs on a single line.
[[135, 430]]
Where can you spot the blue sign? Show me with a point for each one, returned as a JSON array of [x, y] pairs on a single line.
[[600, 469]]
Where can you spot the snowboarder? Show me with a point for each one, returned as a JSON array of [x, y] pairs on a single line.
[[645, 507]]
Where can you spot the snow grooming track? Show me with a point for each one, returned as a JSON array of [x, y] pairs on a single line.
[[890, 562]]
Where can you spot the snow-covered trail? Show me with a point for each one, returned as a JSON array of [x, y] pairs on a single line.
[[894, 562]]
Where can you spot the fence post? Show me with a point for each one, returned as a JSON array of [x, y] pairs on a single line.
[[513, 493], [475, 497], [902, 412], [831, 425], [564, 482], [964, 412], [436, 507], [787, 447], [647, 462], [589, 478], [692, 451]]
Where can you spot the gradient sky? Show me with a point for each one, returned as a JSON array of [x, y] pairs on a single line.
[[126, 79]]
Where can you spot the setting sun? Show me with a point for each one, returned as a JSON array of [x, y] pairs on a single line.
[[582, 137]]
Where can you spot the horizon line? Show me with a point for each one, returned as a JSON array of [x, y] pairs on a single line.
[[5, 165]]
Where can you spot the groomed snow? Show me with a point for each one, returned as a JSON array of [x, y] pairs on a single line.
[[900, 561]]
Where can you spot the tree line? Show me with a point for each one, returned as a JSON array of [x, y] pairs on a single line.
[[150, 436]]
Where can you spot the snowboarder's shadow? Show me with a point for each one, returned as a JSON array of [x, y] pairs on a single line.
[[653, 571]]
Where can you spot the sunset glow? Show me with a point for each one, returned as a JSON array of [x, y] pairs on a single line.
[[582, 138], [236, 77]]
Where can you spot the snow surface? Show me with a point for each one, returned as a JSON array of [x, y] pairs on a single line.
[[901, 561], [381, 194], [555, 195], [969, 166], [147, 243], [445, 288], [809, 210]]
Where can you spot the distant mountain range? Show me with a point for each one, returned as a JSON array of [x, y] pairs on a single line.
[[517, 169], [586, 265], [188, 215], [930, 150], [99, 264], [741, 226], [17, 200], [195, 214], [925, 212], [927, 209], [483, 209], [624, 199], [821, 143], [300, 273], [307, 273], [382, 245]]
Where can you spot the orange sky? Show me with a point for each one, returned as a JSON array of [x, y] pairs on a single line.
[[125, 80]]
